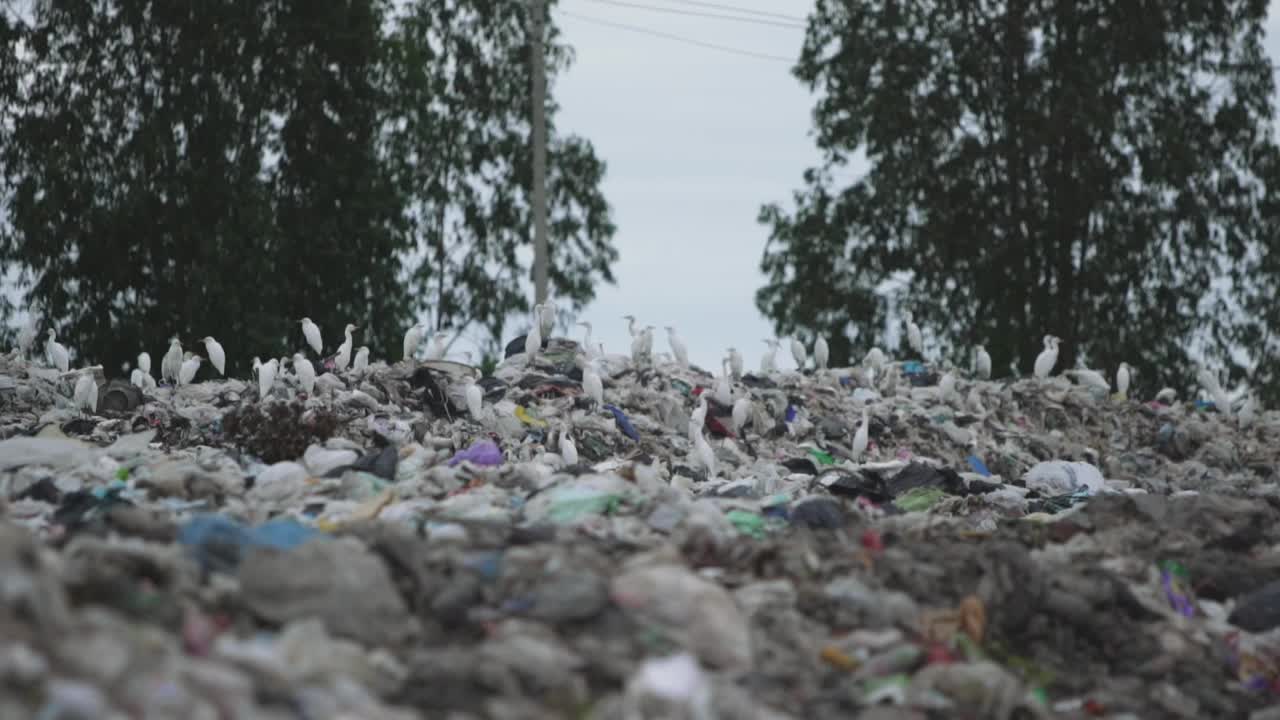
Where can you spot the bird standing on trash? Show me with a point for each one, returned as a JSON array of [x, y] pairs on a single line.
[[568, 450], [1090, 378], [821, 353], [769, 361], [475, 398], [798, 353], [311, 332], [1122, 380], [171, 363], [188, 371], [27, 337], [735, 363], [592, 384], [343, 357], [981, 363], [947, 387], [915, 340], [217, 357], [706, 456], [875, 358], [724, 389], [698, 417], [586, 339], [1047, 357], [741, 414], [533, 341], [305, 371], [547, 318], [678, 348], [362, 360], [412, 339], [266, 377], [144, 362], [861, 437], [631, 325], [56, 353], [85, 395]]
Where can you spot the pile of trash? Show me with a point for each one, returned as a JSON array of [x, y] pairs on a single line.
[[870, 542]]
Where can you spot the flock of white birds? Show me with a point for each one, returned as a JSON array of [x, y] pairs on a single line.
[[179, 368]]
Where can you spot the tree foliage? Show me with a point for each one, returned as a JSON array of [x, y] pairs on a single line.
[[1105, 172], [458, 130]]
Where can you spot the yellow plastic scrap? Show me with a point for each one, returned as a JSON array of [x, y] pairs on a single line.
[[838, 658], [528, 419]]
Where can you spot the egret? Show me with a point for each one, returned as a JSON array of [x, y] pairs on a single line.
[[144, 362], [860, 438], [769, 361], [798, 353], [724, 389], [875, 358], [1167, 396], [1047, 357], [437, 349], [27, 337], [311, 332], [216, 356], [533, 341], [1090, 379], [1221, 401], [637, 348], [568, 450], [947, 387], [741, 413], [592, 385], [678, 348], [475, 398], [975, 401], [86, 392], [646, 336], [547, 318], [1208, 380], [586, 339], [735, 363], [1122, 380], [343, 358], [706, 456], [631, 324], [188, 371], [412, 339], [981, 363], [821, 353], [135, 377], [362, 360], [1249, 412], [171, 363], [915, 340], [56, 353], [267, 377], [305, 371], [698, 417]]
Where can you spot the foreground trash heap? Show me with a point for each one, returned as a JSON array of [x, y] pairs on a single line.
[[1037, 549]]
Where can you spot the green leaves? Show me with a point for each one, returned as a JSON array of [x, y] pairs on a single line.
[[1075, 168]]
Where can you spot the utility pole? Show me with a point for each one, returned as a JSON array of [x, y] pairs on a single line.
[[537, 60]]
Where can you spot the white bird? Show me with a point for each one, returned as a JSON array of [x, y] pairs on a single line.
[[412, 339], [343, 358], [769, 361], [637, 348], [568, 450], [533, 341], [724, 389], [311, 332], [1167, 396], [821, 353], [85, 395], [798, 353], [592, 384], [362, 360], [1249, 412], [974, 401], [875, 358], [216, 356], [981, 363], [631, 324], [1090, 378], [56, 353], [135, 377], [1122, 380], [475, 398], [678, 348], [547, 318], [267, 377], [735, 363], [27, 337], [144, 362], [860, 438], [915, 340], [1221, 401], [437, 349], [947, 387], [586, 339], [188, 371], [741, 413], [706, 456], [305, 371], [698, 417], [1047, 357], [171, 363], [647, 336]]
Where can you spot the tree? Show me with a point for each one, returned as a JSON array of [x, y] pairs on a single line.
[[459, 133], [200, 169], [1101, 171]]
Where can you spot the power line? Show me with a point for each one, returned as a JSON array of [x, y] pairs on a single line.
[[677, 38], [695, 13], [742, 10]]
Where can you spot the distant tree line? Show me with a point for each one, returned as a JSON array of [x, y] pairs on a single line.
[[227, 167]]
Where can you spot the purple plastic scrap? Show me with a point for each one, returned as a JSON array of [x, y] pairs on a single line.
[[481, 452]]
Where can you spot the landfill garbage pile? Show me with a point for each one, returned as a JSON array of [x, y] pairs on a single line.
[[870, 542]]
